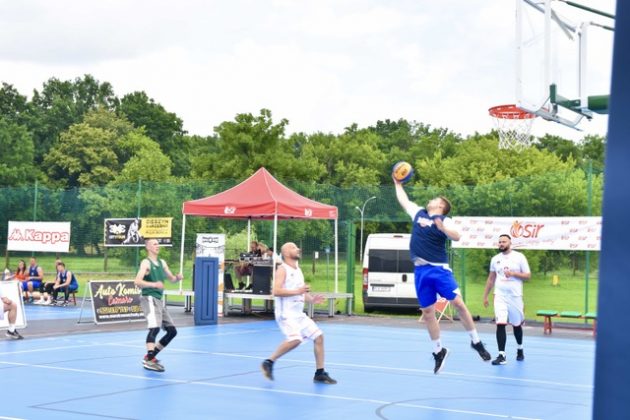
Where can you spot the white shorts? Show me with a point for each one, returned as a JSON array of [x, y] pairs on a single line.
[[155, 312], [509, 310], [299, 327]]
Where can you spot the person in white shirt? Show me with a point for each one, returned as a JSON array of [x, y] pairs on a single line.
[[10, 308], [508, 270], [290, 292]]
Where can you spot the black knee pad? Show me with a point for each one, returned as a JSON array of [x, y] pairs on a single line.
[[171, 331], [152, 335]]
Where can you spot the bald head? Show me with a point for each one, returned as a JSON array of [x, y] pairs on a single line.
[[290, 251]]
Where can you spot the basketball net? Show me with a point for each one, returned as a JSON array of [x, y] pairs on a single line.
[[514, 126]]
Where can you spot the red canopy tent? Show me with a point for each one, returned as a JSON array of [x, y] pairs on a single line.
[[260, 196]]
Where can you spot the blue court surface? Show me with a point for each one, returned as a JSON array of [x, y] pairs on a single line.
[[213, 372]]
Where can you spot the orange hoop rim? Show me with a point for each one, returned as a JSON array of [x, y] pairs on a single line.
[[510, 112]]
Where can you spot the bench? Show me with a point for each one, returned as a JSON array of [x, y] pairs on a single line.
[[330, 296], [310, 307], [548, 314]]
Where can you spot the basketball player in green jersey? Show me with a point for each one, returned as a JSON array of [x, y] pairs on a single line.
[[150, 278]]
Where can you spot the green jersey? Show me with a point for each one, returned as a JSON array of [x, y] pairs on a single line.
[[156, 273]]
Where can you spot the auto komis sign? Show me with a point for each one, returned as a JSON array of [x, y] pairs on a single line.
[[39, 236]]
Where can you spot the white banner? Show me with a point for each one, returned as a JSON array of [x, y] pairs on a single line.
[[39, 236], [213, 245], [544, 233]]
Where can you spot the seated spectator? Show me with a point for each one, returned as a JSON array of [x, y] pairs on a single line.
[[8, 306], [65, 281], [44, 295], [33, 281], [20, 273]]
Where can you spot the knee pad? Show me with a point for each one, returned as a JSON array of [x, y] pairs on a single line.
[[171, 331], [152, 335]]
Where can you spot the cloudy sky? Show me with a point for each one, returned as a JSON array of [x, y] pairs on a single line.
[[321, 64]]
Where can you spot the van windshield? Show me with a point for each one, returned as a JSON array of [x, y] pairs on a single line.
[[390, 261]]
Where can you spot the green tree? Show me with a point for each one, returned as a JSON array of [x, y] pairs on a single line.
[[13, 105], [16, 159], [61, 104], [164, 127]]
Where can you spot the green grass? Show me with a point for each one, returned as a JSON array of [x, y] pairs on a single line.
[[539, 292]]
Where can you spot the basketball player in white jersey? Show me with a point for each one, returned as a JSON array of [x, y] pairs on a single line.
[[290, 292], [508, 270]]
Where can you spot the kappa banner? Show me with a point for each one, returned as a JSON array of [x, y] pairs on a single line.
[[39, 236], [544, 233], [133, 232]]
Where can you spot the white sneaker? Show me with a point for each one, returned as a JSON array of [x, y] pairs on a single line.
[[46, 302], [40, 302]]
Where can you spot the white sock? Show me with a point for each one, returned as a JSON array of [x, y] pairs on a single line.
[[474, 336], [520, 347], [11, 328], [437, 346], [502, 353]]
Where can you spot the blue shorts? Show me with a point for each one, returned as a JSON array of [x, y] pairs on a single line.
[[432, 280], [36, 285]]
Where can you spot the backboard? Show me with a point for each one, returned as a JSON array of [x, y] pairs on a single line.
[[563, 59]]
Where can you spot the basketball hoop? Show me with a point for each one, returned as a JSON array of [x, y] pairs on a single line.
[[513, 125]]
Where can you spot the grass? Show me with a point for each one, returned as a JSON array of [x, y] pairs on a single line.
[[568, 295]]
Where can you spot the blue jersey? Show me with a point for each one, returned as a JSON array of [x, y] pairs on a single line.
[[427, 241], [63, 277], [32, 271]]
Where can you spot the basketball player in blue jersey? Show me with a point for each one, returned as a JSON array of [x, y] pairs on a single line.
[[290, 292], [433, 276]]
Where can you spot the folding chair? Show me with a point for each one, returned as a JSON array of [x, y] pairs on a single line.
[[443, 309]]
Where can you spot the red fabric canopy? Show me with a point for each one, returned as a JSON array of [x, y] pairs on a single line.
[[260, 196]]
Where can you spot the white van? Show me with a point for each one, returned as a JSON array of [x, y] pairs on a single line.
[[388, 279]]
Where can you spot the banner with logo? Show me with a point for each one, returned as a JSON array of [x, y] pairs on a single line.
[[213, 245], [133, 232], [39, 236], [115, 301], [544, 233]]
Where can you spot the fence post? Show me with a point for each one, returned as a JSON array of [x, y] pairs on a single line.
[[589, 212], [350, 261], [139, 201]]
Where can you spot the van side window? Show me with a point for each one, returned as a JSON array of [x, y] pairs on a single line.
[[383, 260], [390, 261]]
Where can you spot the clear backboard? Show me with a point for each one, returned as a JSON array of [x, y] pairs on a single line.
[[563, 59]]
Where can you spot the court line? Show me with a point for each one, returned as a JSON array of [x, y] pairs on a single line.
[[278, 391], [11, 418]]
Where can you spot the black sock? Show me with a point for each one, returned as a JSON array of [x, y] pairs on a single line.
[[151, 354], [269, 360], [319, 371], [156, 351]]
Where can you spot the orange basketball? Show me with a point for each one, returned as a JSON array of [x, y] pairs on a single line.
[[402, 171]]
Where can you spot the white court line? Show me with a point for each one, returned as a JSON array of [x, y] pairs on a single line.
[[278, 391], [11, 418], [386, 368]]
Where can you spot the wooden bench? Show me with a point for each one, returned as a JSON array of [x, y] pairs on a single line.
[[548, 314]]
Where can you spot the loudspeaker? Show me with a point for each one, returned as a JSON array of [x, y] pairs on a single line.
[[261, 280]]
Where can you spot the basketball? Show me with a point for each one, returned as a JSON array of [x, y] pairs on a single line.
[[402, 171]]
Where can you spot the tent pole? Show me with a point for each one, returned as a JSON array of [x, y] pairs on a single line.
[[181, 251], [336, 258], [275, 246], [249, 233]]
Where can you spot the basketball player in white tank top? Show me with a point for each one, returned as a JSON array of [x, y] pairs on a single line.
[[290, 293]]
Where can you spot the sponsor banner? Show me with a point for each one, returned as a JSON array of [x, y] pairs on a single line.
[[39, 236], [213, 245], [115, 301], [544, 233], [133, 232]]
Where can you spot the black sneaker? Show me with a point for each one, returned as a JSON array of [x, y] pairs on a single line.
[[479, 347], [14, 335], [500, 360], [153, 364], [267, 369], [520, 356], [323, 378], [440, 357]]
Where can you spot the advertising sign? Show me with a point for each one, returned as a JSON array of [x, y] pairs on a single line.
[[39, 236], [115, 301], [133, 232]]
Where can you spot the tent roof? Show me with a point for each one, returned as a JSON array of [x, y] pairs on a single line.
[[260, 196]]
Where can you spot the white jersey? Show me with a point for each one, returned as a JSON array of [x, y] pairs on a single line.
[[512, 261], [290, 306]]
